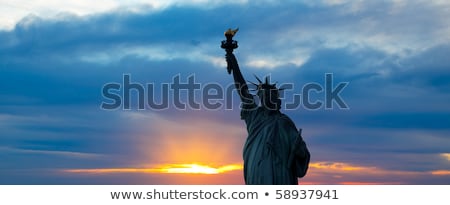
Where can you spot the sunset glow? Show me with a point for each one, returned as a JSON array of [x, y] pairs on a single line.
[[168, 169]]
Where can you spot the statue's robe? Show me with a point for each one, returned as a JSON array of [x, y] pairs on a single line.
[[269, 155]]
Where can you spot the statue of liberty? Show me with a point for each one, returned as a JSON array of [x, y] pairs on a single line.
[[274, 151]]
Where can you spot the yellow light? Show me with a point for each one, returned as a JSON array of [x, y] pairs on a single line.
[[199, 169], [191, 168]]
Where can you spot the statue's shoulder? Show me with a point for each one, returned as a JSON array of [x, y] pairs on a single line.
[[284, 117], [286, 121]]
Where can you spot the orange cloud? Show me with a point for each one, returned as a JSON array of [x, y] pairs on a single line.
[[440, 172], [338, 166], [343, 168]]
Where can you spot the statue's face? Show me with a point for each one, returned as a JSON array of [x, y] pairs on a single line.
[[270, 99]]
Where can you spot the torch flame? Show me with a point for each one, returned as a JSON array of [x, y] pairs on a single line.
[[231, 32]]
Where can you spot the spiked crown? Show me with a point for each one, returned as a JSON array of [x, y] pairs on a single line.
[[265, 87]]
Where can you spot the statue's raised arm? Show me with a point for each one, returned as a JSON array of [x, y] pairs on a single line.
[[232, 66], [274, 151]]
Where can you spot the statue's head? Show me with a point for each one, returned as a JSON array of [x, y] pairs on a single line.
[[268, 94]]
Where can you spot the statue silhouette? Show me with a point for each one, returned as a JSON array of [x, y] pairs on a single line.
[[274, 151]]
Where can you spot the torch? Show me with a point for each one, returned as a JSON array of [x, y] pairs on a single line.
[[229, 44]]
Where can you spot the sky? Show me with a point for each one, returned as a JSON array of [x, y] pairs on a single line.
[[57, 57]]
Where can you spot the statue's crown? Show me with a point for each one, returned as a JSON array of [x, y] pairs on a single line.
[[266, 86]]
